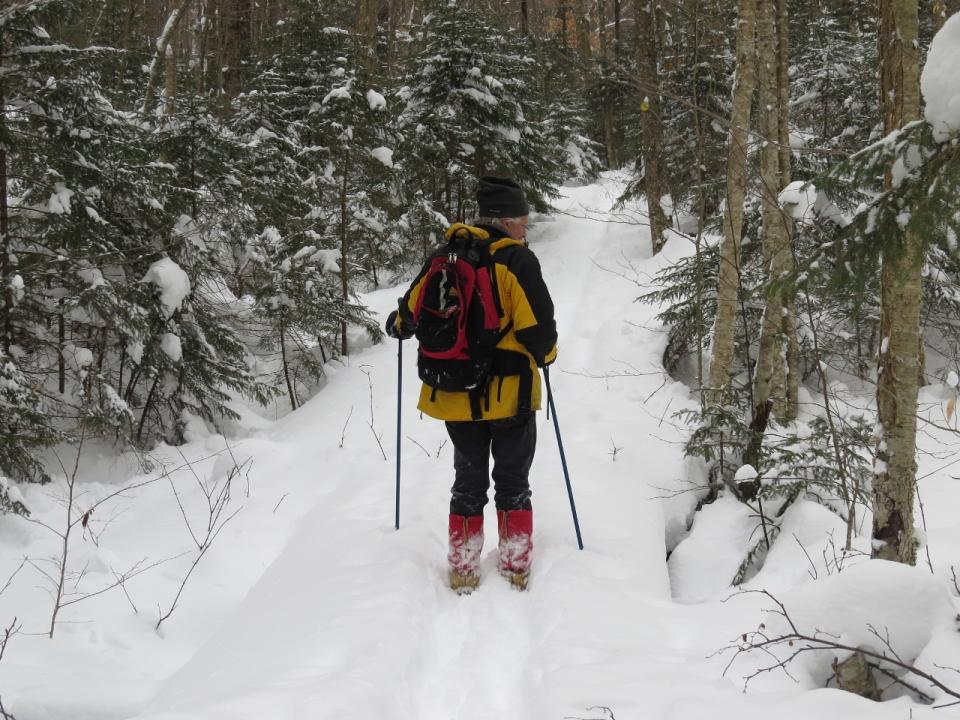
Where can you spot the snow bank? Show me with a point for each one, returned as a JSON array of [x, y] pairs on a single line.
[[865, 606], [703, 566], [939, 81], [173, 283]]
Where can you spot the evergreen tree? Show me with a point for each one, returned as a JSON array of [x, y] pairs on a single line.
[[470, 109]]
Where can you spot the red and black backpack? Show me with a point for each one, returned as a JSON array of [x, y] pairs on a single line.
[[457, 316]]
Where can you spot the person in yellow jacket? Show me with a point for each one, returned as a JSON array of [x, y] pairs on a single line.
[[499, 418]]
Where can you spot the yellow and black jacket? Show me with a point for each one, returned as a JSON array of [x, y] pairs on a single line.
[[529, 334]]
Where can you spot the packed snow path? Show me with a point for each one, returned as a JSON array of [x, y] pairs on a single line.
[[354, 620], [311, 605]]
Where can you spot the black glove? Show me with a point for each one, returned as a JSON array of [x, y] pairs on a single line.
[[400, 333]]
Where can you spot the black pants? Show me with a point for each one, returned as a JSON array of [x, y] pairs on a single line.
[[513, 442]]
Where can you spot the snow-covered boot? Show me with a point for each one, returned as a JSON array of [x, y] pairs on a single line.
[[466, 542], [516, 545]]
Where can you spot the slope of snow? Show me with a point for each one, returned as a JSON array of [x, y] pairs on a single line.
[[311, 605]]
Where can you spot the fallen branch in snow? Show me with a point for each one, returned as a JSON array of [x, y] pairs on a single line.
[[953, 573], [425, 451], [798, 642], [4, 714], [607, 714]]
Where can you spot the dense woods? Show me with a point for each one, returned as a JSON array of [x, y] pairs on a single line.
[[194, 194]]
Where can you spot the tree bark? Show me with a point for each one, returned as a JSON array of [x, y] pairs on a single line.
[[728, 280], [180, 8], [769, 381], [785, 156], [236, 46], [582, 28], [895, 468], [6, 269], [344, 266], [651, 122], [367, 17]]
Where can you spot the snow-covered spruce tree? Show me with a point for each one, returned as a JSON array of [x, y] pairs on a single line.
[[318, 179], [564, 109], [469, 110], [298, 304], [78, 203], [194, 354]]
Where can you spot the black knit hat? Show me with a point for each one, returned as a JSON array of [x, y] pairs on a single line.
[[501, 198]]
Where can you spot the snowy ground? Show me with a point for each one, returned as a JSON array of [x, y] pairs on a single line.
[[310, 605]]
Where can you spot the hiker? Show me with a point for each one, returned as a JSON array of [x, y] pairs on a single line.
[[492, 409]]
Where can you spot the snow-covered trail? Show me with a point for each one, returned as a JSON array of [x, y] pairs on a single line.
[[353, 619]]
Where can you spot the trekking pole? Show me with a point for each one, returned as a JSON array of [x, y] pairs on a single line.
[[563, 458], [399, 397]]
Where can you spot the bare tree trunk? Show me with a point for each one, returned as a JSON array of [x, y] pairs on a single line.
[[769, 381], [7, 299], [582, 28], [783, 134], [654, 175], [895, 467], [367, 29], [283, 357], [170, 70], [728, 280], [344, 264], [180, 8], [236, 46]]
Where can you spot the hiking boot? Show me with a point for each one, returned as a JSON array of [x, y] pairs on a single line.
[[516, 545], [466, 542]]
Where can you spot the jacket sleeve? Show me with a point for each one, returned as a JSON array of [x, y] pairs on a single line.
[[533, 321]]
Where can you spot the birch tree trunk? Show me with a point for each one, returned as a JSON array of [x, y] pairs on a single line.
[[769, 382], [783, 135], [728, 280], [651, 122], [157, 64], [895, 468]]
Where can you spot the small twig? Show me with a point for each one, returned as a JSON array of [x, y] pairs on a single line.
[[24, 562], [819, 640], [439, 449], [343, 433], [123, 586], [814, 573], [923, 518], [425, 451], [608, 714], [12, 629], [275, 507], [953, 573], [899, 681], [613, 452], [4, 714]]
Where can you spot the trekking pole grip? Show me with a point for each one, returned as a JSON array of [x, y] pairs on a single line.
[[563, 457]]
